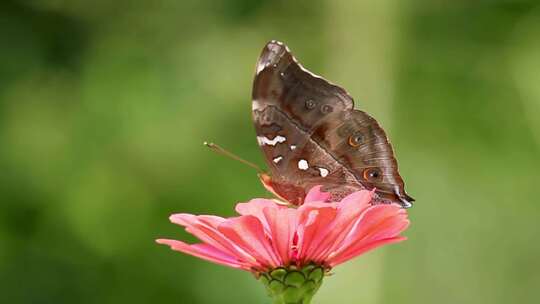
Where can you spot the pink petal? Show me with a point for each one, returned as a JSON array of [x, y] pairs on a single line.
[[255, 207], [363, 249], [268, 235], [379, 222], [204, 251], [315, 194], [205, 229], [360, 199], [348, 210], [248, 234], [376, 223], [311, 223], [282, 225]]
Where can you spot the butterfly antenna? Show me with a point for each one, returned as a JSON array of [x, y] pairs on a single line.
[[222, 151]]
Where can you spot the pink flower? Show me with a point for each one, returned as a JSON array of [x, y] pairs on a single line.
[[268, 235]]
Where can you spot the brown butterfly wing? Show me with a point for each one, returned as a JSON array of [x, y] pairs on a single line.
[[281, 91], [292, 157], [359, 143], [304, 126]]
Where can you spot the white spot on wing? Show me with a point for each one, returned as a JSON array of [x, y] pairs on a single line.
[[255, 105], [277, 159], [303, 164], [324, 172], [293, 147], [272, 52], [263, 140], [260, 67]]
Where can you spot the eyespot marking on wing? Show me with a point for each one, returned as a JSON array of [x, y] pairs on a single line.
[[325, 109], [372, 174], [356, 139], [310, 104]]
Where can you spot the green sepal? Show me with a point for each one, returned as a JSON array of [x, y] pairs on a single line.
[[292, 285]]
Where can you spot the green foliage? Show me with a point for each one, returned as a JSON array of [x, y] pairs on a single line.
[[104, 106]]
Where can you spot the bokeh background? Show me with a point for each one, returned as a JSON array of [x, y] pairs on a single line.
[[104, 106]]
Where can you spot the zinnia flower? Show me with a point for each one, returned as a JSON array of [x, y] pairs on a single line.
[[290, 249]]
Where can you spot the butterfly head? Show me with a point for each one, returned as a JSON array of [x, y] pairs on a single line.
[[287, 192]]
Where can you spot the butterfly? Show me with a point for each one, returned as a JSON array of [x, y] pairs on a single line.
[[310, 135]]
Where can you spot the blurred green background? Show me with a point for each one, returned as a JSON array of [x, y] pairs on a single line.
[[104, 106]]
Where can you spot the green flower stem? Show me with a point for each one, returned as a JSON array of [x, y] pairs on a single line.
[[293, 285]]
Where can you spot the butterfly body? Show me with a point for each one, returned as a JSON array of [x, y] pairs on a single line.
[[311, 135]]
